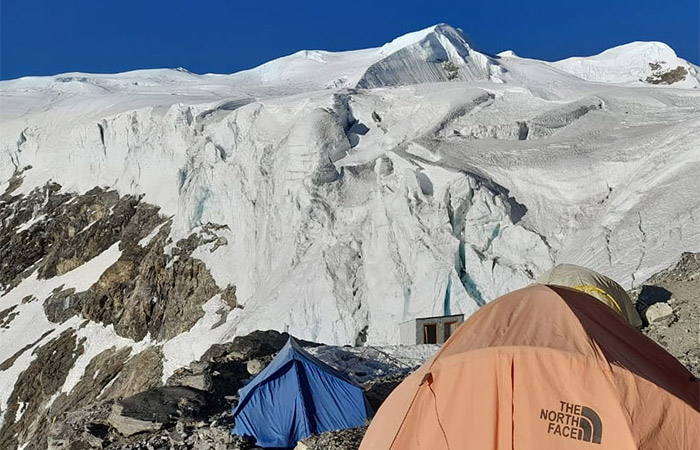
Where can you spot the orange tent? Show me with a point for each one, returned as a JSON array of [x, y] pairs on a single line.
[[543, 368]]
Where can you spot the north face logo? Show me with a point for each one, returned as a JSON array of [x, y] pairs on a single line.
[[573, 421]]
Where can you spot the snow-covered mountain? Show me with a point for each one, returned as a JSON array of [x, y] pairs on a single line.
[[150, 214], [646, 62]]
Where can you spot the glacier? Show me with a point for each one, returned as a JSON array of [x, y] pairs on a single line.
[[352, 191]]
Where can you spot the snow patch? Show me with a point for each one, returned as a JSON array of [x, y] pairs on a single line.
[[191, 345], [98, 338]]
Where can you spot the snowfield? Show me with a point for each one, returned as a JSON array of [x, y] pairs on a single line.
[[365, 188]]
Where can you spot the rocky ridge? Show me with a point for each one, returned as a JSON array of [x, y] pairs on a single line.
[[152, 292]]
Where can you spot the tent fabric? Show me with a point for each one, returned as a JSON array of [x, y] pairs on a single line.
[[596, 285], [296, 396], [545, 368]]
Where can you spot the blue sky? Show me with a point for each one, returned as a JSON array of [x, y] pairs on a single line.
[[43, 37]]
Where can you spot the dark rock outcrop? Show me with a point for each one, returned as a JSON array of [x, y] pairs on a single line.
[[26, 417], [148, 290], [251, 346], [156, 408], [154, 288], [59, 231], [141, 372], [668, 77]]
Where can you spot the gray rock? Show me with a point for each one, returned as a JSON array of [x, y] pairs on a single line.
[[152, 410], [255, 366], [201, 381], [61, 305], [658, 311], [256, 345], [145, 291], [140, 373], [35, 386], [130, 425], [81, 429]]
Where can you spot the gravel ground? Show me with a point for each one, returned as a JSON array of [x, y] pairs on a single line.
[[679, 287]]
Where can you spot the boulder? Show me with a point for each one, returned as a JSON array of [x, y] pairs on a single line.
[[130, 425], [201, 381], [256, 345], [658, 311], [255, 366], [155, 408], [243, 348], [83, 428]]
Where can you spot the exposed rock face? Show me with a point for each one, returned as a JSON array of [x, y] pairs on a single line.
[[7, 315], [26, 416], [148, 291], [37, 402], [66, 230], [99, 373], [154, 288], [668, 77], [140, 373], [61, 305]]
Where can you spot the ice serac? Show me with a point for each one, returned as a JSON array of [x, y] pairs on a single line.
[[646, 62], [439, 53]]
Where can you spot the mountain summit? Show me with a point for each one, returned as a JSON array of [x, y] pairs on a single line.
[[645, 62], [435, 54]]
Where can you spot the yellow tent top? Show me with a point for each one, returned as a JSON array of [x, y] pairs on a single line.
[[596, 285]]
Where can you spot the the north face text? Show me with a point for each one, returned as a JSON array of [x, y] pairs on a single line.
[[574, 422]]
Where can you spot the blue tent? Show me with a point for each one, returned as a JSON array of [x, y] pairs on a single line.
[[297, 396]]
